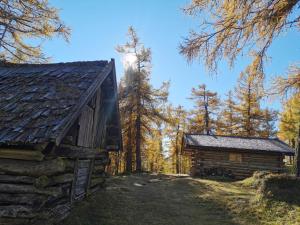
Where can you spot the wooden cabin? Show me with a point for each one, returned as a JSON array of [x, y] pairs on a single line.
[[236, 157], [57, 124]]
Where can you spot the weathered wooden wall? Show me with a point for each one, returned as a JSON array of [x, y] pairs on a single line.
[[35, 186], [206, 162]]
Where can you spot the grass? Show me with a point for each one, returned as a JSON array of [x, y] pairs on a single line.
[[169, 200]]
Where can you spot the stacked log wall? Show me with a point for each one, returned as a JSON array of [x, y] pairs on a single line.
[[32, 190], [204, 161], [29, 188]]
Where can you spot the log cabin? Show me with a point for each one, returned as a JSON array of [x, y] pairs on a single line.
[[235, 157], [57, 124]]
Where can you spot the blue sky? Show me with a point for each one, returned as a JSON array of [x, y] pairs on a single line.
[[98, 26]]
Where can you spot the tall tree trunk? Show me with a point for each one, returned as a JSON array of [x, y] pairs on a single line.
[[138, 134], [177, 150], [138, 143], [297, 153], [248, 121], [207, 119], [129, 148]]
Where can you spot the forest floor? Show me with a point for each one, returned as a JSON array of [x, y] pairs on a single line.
[[147, 199]]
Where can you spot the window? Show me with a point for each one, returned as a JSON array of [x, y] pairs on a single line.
[[235, 157]]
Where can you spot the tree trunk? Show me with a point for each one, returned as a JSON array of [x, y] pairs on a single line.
[[138, 143], [177, 150], [248, 120], [129, 149], [297, 154], [207, 119]]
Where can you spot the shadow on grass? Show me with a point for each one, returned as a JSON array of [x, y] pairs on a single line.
[[167, 201]]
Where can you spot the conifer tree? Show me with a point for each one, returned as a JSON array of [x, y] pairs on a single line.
[[154, 158], [177, 126], [142, 100], [227, 122], [290, 118], [23, 19], [229, 29], [126, 112], [205, 110], [267, 123], [289, 126], [249, 93]]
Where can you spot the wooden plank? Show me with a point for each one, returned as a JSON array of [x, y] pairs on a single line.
[[74, 182], [85, 135], [82, 177], [97, 116]]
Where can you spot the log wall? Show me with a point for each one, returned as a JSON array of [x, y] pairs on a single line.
[[234, 164], [32, 190]]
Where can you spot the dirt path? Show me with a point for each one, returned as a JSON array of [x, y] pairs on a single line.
[[161, 200]]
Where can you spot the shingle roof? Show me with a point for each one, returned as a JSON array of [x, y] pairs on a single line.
[[37, 100], [237, 143]]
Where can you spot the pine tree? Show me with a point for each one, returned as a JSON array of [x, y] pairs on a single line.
[[205, 110], [22, 19], [144, 102], [249, 93]]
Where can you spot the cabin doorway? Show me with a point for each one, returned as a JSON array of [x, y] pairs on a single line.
[[81, 182]]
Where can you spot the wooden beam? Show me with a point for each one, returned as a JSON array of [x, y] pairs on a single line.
[[70, 151], [31, 168], [32, 155]]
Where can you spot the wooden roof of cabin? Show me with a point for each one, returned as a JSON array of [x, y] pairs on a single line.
[[254, 144], [38, 101]]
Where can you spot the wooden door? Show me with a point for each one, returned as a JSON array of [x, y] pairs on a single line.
[[81, 181], [85, 135]]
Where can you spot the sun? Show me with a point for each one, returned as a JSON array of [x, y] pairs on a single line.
[[129, 60]]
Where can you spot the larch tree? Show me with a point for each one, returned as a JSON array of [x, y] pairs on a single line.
[[145, 103], [227, 121], [205, 110], [267, 123], [249, 93], [127, 117], [176, 127], [22, 20], [154, 159], [289, 127], [228, 29]]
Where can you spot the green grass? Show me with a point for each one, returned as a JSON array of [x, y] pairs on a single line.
[[168, 200]]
